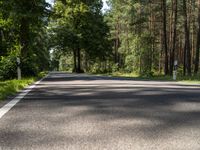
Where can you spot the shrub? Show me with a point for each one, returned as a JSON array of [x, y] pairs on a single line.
[[8, 67]]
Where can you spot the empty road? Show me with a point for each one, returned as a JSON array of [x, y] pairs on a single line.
[[85, 112]]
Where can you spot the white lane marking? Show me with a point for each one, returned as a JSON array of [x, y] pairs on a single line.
[[13, 102]]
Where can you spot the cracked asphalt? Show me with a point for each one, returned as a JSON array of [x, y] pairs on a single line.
[[86, 112]]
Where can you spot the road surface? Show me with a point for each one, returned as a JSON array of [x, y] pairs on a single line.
[[85, 112]]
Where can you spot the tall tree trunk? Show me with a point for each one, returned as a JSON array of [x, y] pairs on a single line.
[[174, 37], [187, 39], [184, 60], [79, 61], [117, 42], [75, 62], [170, 38], [24, 37], [161, 52], [196, 69], [1, 42], [165, 37]]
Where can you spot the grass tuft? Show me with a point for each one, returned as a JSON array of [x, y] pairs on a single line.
[[10, 87], [181, 79]]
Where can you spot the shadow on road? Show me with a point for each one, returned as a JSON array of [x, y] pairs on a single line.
[[170, 107], [118, 109]]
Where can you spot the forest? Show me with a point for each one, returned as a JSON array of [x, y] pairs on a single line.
[[143, 37]]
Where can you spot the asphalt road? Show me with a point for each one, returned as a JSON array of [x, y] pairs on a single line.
[[84, 112]]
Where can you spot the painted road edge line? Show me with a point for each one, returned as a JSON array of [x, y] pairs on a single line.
[[20, 96]]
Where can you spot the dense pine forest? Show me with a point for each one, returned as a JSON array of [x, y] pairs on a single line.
[[149, 36], [132, 36]]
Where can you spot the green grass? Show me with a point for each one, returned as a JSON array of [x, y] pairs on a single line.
[[138, 77], [42, 74], [181, 79], [190, 80], [11, 87]]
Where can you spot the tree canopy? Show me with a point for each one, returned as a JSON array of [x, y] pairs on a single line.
[[79, 27], [145, 37]]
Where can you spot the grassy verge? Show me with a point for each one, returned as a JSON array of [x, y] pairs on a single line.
[[138, 77], [180, 79], [11, 87], [190, 80], [42, 74]]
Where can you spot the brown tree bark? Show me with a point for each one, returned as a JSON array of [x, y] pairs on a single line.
[[79, 70], [187, 39], [24, 37], [172, 58], [165, 36], [74, 57], [196, 69]]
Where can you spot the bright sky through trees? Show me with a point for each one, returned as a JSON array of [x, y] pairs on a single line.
[[50, 1], [105, 6]]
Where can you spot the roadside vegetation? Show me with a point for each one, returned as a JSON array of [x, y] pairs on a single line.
[[23, 34], [157, 77], [143, 39], [140, 39], [183, 79], [11, 87]]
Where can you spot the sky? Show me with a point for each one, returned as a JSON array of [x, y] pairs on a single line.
[[50, 1], [105, 6]]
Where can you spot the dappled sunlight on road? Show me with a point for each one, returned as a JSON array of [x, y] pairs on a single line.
[[95, 113]]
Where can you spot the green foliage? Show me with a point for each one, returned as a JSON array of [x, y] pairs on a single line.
[[115, 67], [24, 22], [130, 64], [55, 60], [133, 41], [8, 67], [8, 64], [95, 68], [10, 87], [78, 28], [42, 74], [66, 63]]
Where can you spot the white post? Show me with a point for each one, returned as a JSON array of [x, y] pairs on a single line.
[[174, 75], [19, 76], [175, 70]]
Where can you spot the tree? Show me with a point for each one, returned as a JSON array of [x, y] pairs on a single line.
[[198, 42], [187, 51], [172, 54], [21, 24], [82, 28], [151, 48], [165, 37]]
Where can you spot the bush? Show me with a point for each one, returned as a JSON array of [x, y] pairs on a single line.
[[8, 67], [29, 67], [42, 74], [115, 67]]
